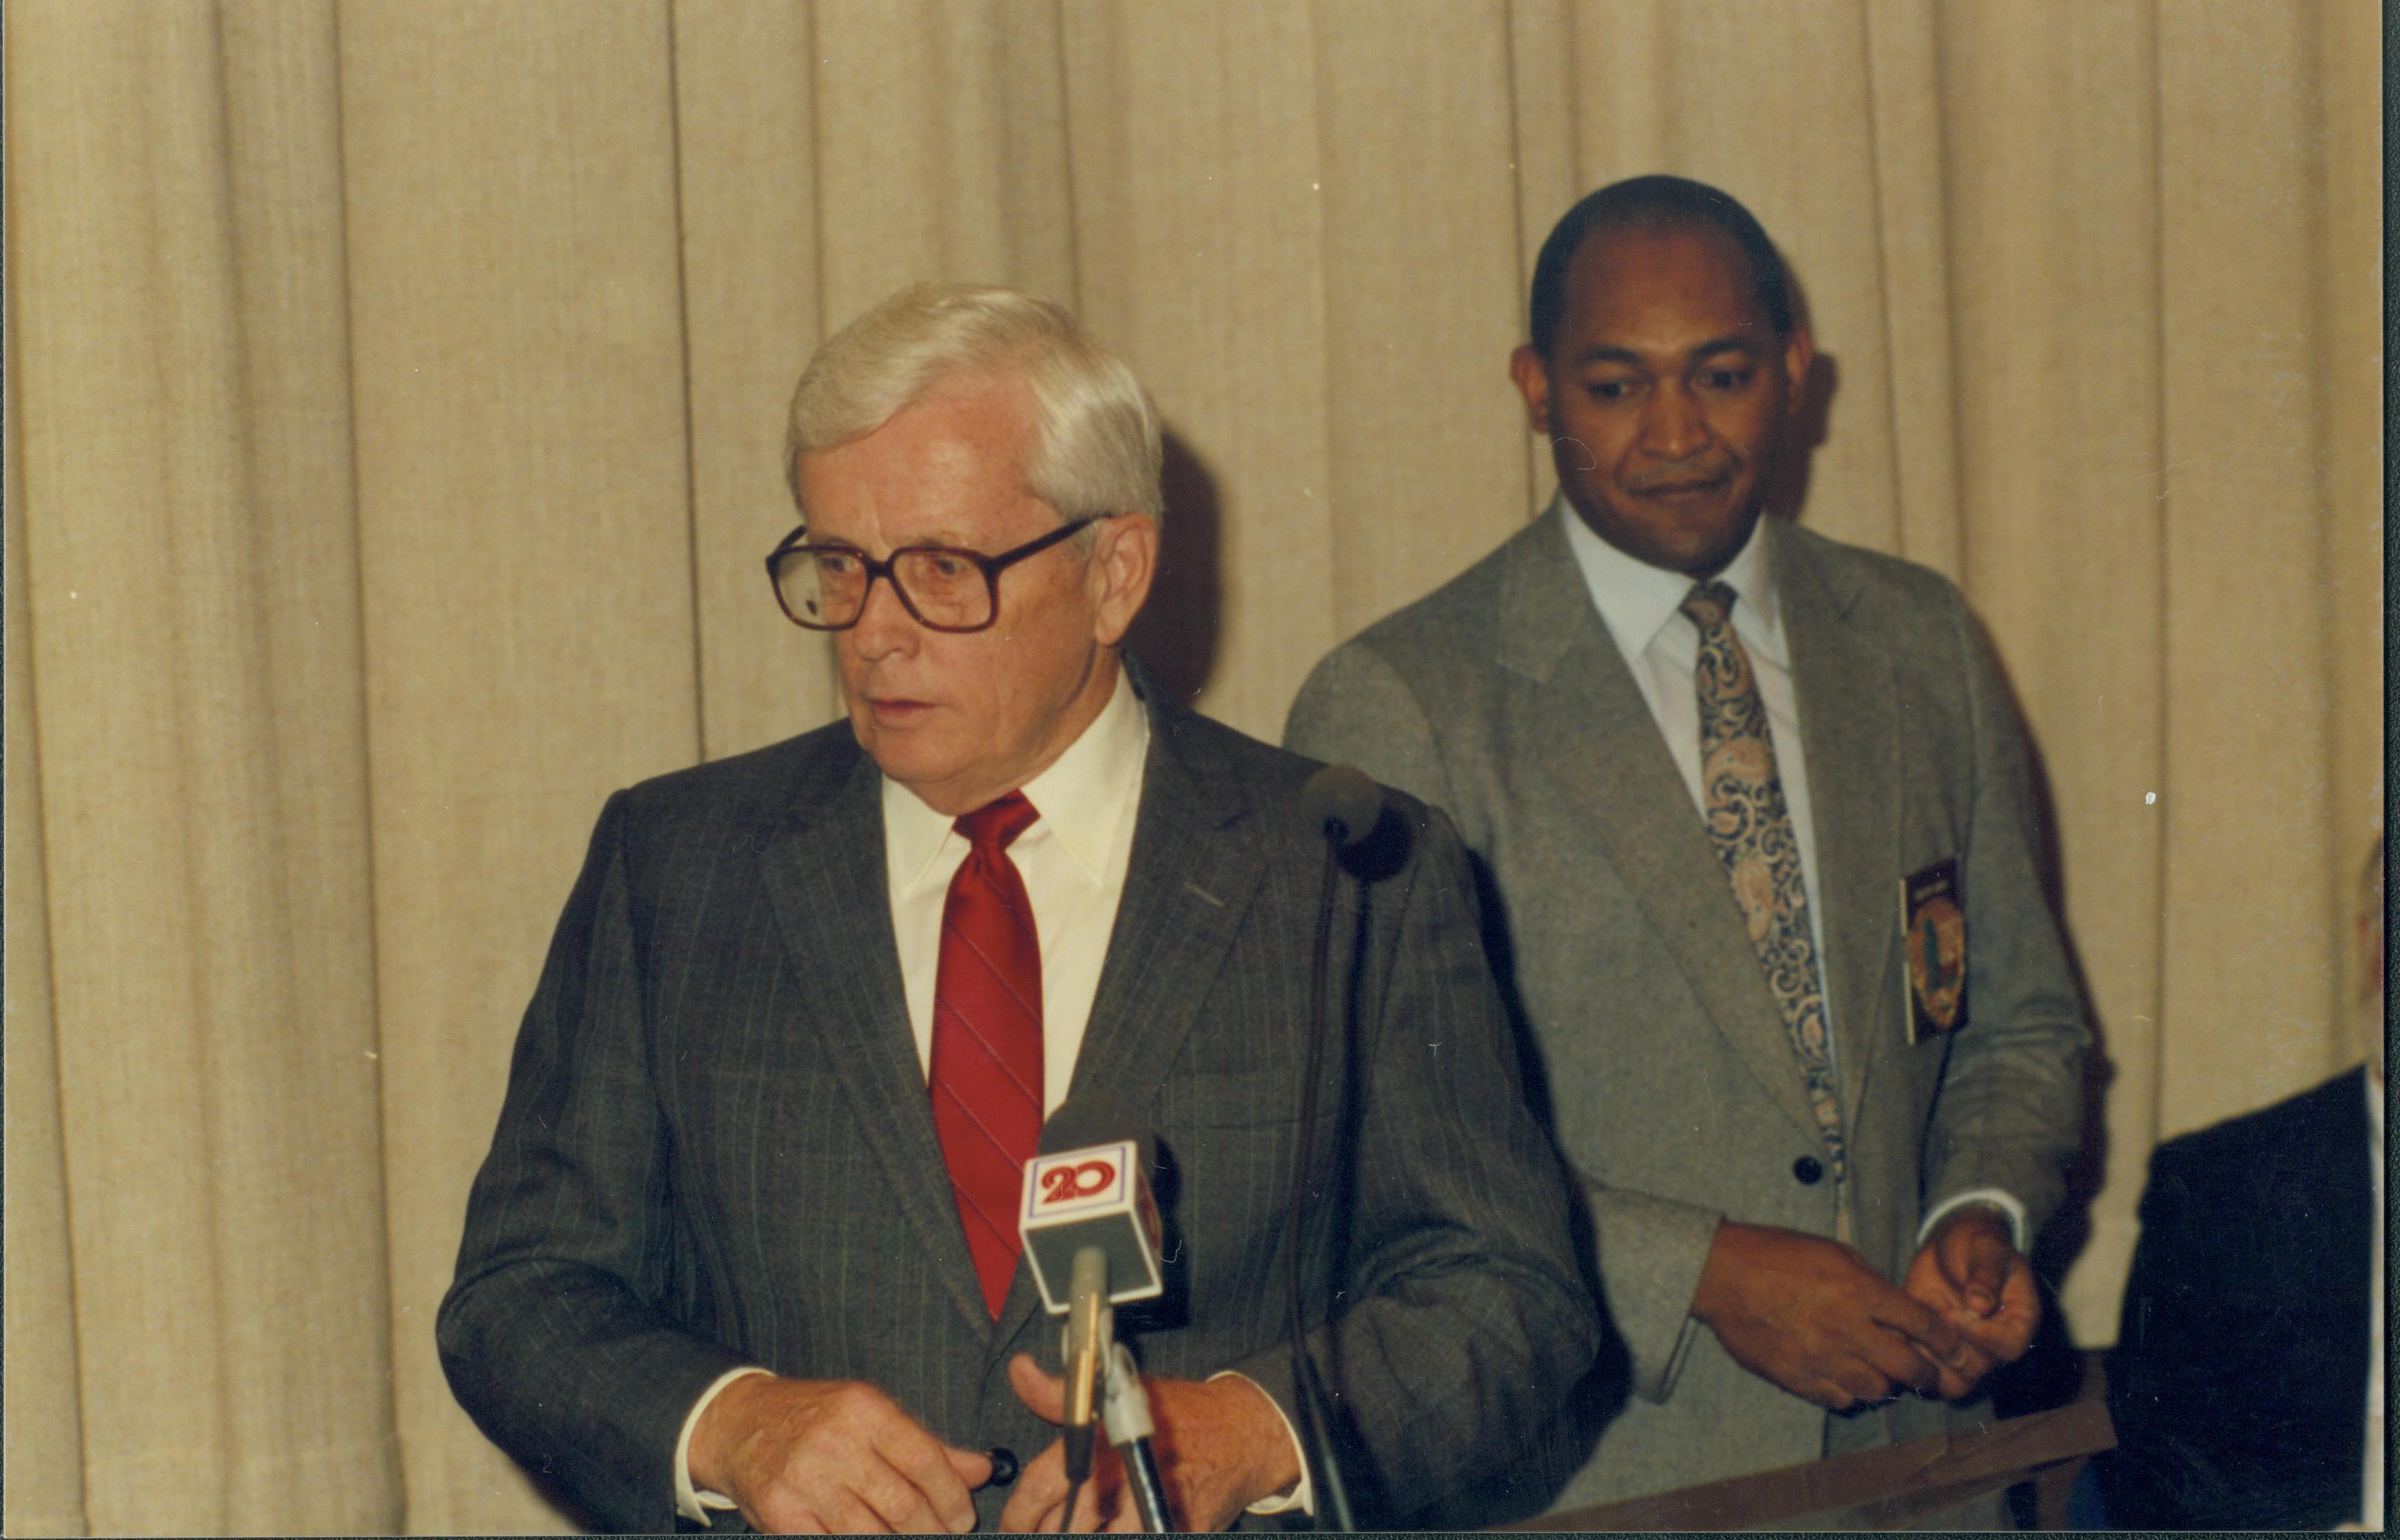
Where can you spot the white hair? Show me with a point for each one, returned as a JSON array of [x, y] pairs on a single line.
[[1096, 441]]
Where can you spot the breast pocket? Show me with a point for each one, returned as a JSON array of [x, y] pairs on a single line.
[[1230, 1098]]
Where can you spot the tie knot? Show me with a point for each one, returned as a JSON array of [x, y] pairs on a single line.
[[1709, 603], [997, 822]]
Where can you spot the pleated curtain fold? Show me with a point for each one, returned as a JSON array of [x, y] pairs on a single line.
[[393, 433]]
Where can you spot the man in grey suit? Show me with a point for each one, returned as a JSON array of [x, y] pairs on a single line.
[[746, 1237], [1753, 815]]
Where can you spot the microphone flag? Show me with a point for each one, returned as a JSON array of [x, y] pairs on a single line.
[[1096, 1196]]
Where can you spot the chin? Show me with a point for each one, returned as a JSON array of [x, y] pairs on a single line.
[[905, 758], [1705, 552], [903, 755], [1709, 563], [1690, 558]]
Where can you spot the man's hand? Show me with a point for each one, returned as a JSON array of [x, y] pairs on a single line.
[[1220, 1445], [1811, 1315], [829, 1456], [1969, 1269]]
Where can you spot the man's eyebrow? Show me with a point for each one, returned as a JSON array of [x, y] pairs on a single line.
[[954, 538], [1735, 342], [1739, 342]]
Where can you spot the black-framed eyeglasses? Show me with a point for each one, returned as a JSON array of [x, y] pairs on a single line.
[[946, 587]]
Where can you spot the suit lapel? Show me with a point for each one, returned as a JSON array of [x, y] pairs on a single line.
[[1189, 879], [1849, 725], [825, 875], [1595, 735]]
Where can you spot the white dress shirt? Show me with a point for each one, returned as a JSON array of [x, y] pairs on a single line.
[[1642, 607], [1072, 859]]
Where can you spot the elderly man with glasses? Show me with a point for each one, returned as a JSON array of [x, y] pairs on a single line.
[[746, 1236]]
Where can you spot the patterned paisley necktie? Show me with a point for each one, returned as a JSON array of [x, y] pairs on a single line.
[[1752, 828], [985, 1074]]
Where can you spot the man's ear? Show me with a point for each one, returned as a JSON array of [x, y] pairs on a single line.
[[1799, 357], [1533, 377], [1124, 563]]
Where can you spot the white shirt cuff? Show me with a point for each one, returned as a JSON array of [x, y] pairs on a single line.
[[2006, 1203], [693, 1505], [1303, 1496]]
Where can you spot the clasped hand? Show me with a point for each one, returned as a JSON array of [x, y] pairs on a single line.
[[830, 1457], [1809, 1315], [811, 1456], [1221, 1446], [1969, 1269]]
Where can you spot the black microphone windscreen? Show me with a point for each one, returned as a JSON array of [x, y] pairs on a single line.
[[1096, 1117], [1343, 795]]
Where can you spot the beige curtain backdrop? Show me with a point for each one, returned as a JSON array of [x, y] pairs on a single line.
[[393, 411]]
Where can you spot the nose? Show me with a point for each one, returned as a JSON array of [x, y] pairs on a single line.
[[884, 624], [1674, 427]]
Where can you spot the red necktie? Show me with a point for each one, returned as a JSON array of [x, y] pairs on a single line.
[[985, 1074]]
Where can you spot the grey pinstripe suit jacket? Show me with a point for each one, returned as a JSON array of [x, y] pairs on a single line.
[[1668, 1078], [717, 1148]]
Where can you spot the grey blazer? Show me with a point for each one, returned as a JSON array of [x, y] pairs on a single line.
[[716, 1147], [1666, 1072]]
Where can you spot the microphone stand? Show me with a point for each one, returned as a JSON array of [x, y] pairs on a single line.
[[1315, 1434], [1125, 1409]]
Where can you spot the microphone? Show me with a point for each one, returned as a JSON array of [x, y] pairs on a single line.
[[1090, 1229], [1088, 1187], [1341, 803], [1127, 1411]]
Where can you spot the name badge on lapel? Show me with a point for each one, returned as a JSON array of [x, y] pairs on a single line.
[[1933, 932]]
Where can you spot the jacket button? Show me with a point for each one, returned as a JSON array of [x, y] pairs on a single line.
[[1808, 1170]]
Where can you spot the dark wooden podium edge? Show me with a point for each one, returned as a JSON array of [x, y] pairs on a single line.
[[1873, 1489]]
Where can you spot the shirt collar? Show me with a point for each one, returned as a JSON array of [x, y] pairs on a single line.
[[1083, 797], [1636, 600]]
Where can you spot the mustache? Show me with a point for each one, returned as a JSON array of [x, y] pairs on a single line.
[[1685, 474]]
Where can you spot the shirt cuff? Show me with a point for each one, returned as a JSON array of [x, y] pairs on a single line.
[[1303, 1496], [1992, 1196], [693, 1505]]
